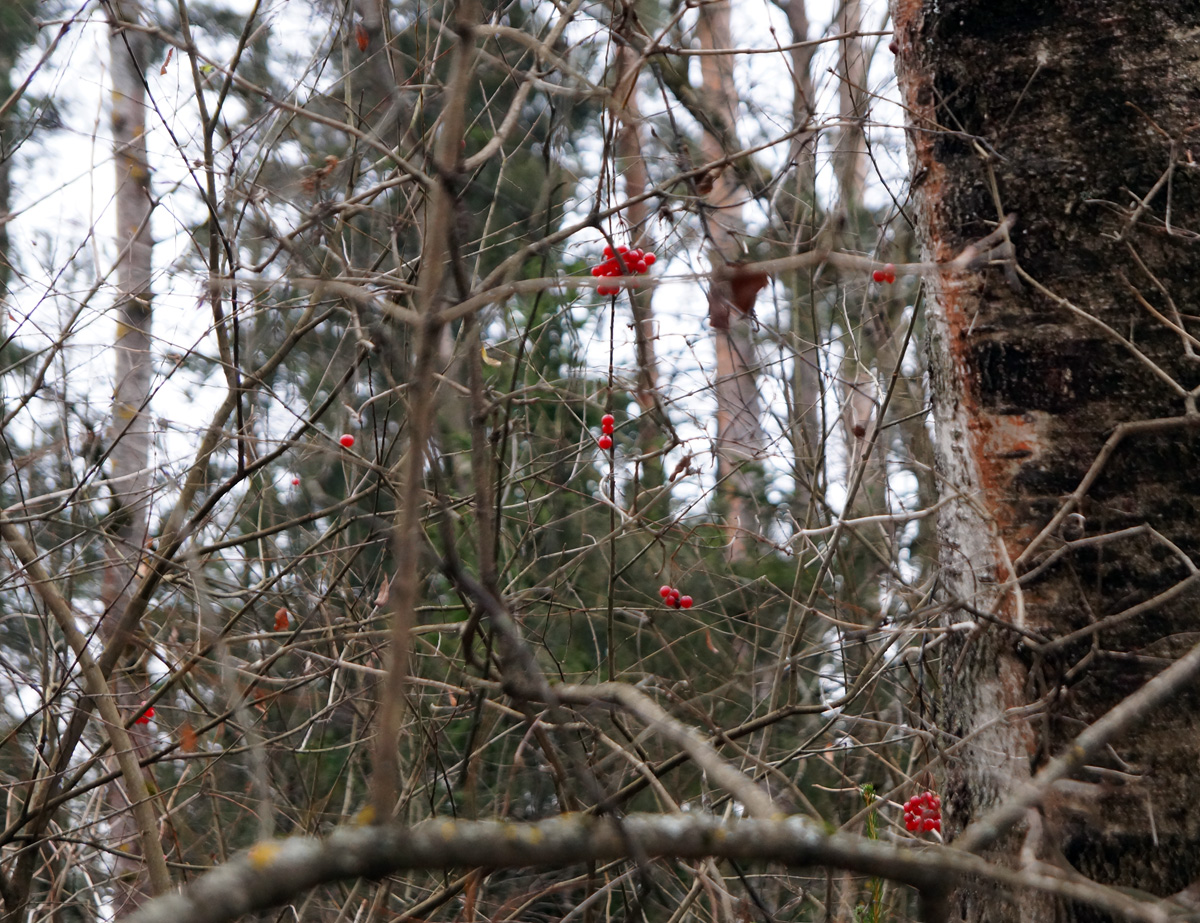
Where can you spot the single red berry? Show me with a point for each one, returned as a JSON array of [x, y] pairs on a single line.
[[347, 440], [605, 442], [596, 270], [640, 266], [608, 420], [145, 717], [649, 258], [685, 602], [877, 275], [889, 273], [622, 249], [295, 482], [606, 428], [608, 251], [664, 591]]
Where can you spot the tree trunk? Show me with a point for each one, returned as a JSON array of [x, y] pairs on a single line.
[[632, 167], [1078, 119], [739, 411], [850, 157], [130, 434]]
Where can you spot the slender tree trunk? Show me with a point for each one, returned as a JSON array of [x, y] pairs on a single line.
[[850, 156], [633, 173], [1079, 121], [130, 435], [739, 411], [801, 221]]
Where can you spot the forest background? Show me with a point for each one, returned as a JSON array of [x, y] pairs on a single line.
[[485, 461]]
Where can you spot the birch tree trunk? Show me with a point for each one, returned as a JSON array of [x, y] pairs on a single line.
[[1065, 413], [130, 434]]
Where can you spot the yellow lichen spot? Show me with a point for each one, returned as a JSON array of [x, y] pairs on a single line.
[[262, 854], [365, 817], [720, 834], [534, 836], [448, 829]]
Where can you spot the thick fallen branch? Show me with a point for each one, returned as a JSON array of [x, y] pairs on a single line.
[[276, 871]]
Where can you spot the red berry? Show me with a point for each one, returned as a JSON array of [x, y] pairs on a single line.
[[889, 273], [685, 602], [606, 428], [664, 591], [649, 258], [347, 440], [923, 813], [295, 482], [605, 442], [145, 717], [595, 270], [639, 266], [608, 251], [608, 420], [877, 275], [622, 249]]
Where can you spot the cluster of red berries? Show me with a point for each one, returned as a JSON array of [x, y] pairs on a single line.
[[923, 813], [887, 274], [671, 597], [145, 717], [607, 422], [636, 262]]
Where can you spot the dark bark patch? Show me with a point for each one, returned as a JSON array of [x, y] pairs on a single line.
[[1017, 377]]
